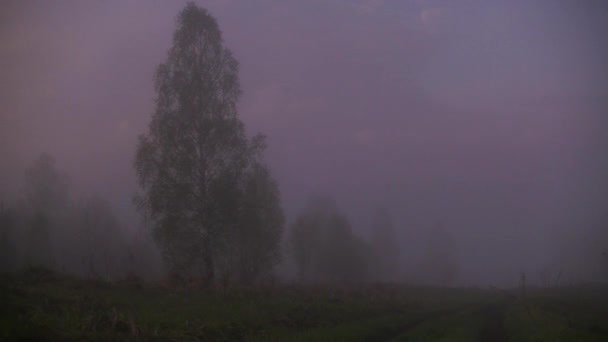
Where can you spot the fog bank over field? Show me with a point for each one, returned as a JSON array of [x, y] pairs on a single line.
[[481, 123]]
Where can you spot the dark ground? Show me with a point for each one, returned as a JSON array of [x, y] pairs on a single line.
[[40, 305]]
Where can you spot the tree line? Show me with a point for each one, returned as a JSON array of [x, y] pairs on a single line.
[[47, 228], [208, 197]]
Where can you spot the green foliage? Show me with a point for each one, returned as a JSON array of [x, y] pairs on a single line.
[[570, 314], [196, 166]]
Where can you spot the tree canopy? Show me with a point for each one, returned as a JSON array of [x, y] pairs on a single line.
[[325, 248], [196, 166]]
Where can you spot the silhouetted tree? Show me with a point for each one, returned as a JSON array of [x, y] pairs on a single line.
[[306, 237], [101, 240], [46, 194], [39, 245], [385, 247], [46, 188], [256, 243], [440, 263], [324, 246], [193, 163], [8, 248]]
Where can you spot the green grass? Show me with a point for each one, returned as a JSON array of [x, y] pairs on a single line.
[[44, 306], [532, 320], [461, 326]]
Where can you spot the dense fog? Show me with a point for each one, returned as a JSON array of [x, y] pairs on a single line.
[[435, 142]]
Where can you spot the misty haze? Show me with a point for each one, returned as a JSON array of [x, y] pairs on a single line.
[[362, 170]]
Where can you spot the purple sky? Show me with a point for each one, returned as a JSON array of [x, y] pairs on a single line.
[[487, 116]]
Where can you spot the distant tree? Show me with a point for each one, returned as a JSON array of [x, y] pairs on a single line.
[[46, 188], [194, 162], [101, 239], [8, 249], [46, 194], [261, 221], [385, 247], [605, 256], [39, 245], [141, 258], [324, 246], [440, 261], [343, 256], [306, 238]]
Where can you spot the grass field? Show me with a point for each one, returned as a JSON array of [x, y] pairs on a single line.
[[44, 306]]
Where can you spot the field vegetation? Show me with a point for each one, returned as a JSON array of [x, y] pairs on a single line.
[[39, 304]]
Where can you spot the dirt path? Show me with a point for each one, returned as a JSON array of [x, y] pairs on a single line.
[[493, 327]]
